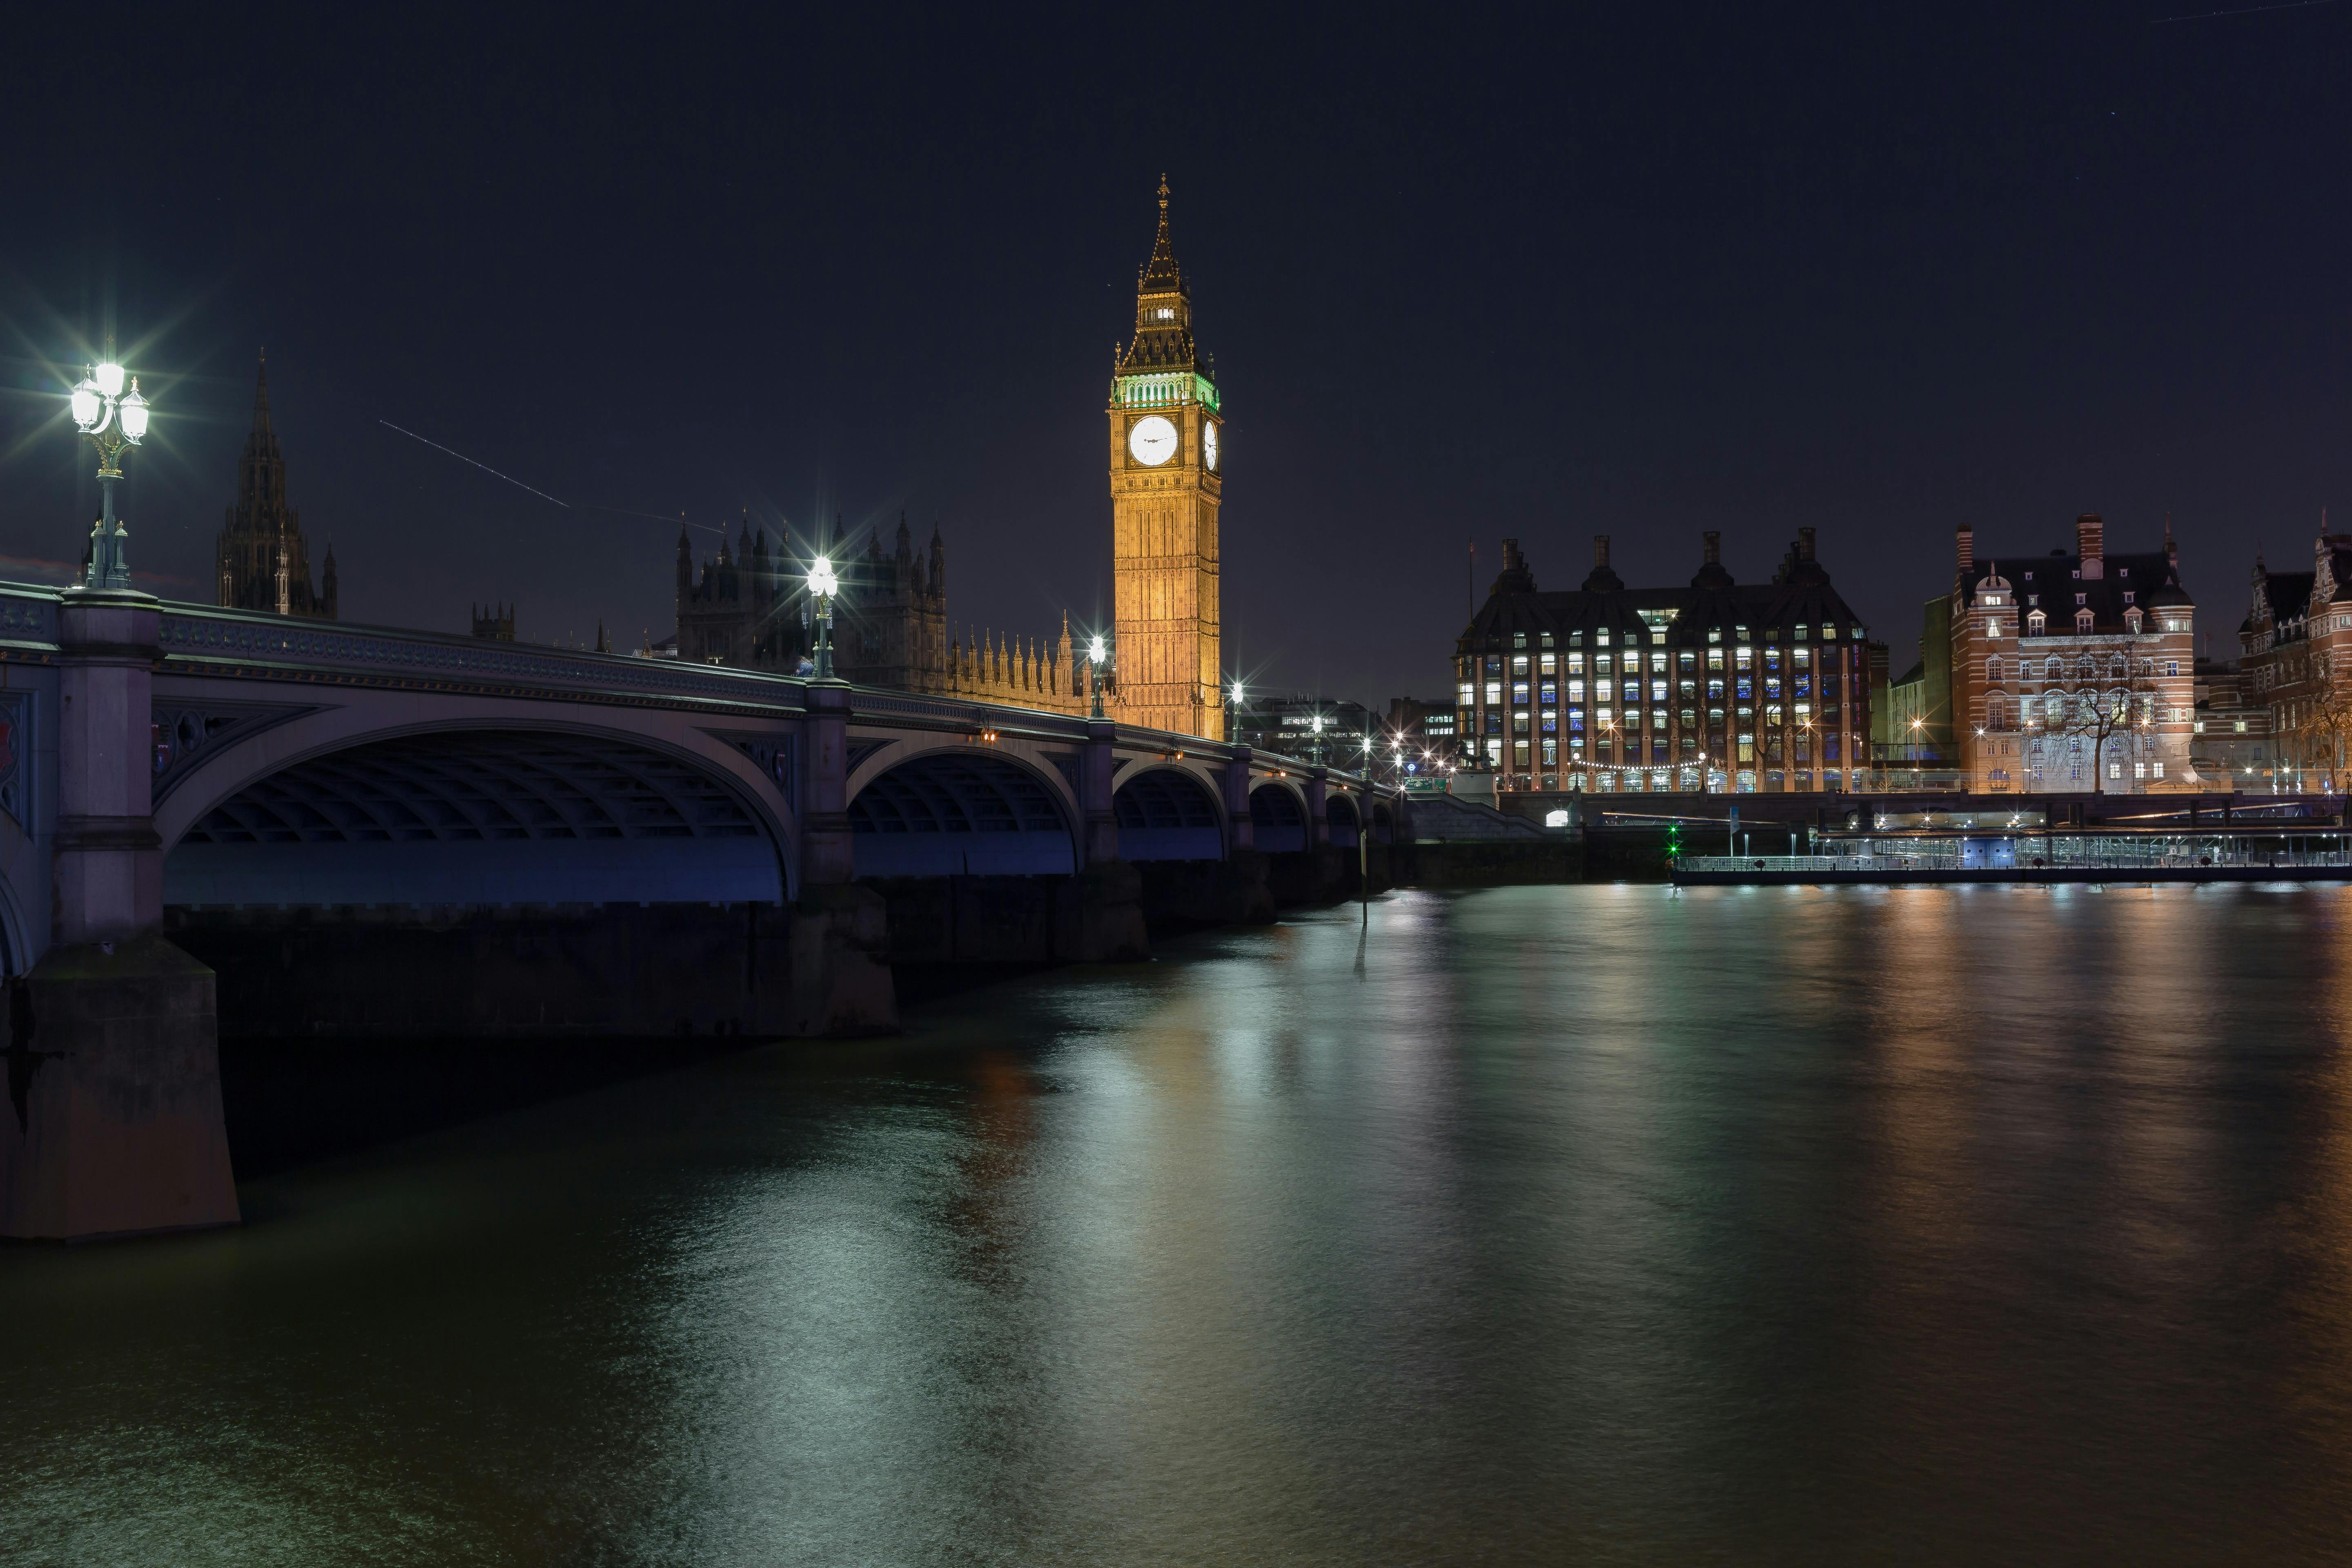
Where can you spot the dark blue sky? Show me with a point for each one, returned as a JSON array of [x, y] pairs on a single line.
[[1628, 269]]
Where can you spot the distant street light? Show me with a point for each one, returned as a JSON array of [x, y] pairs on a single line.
[[112, 419], [822, 586], [1096, 655]]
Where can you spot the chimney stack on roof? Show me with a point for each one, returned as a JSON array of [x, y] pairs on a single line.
[[1968, 549], [1600, 550], [1804, 544], [1713, 541], [2090, 536]]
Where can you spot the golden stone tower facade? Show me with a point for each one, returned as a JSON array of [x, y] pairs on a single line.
[[1166, 432]]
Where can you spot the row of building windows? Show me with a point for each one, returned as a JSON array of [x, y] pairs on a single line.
[[2084, 670], [1686, 661], [1632, 635], [1627, 747]]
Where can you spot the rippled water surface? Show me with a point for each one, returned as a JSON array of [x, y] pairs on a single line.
[[1553, 1223]]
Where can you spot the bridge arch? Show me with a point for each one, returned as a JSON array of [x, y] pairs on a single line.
[[1339, 813], [960, 811], [1278, 818], [488, 809], [1167, 814]]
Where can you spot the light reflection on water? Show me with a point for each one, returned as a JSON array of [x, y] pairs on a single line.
[[1956, 1225]]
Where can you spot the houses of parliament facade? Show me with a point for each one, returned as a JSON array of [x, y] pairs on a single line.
[[743, 606]]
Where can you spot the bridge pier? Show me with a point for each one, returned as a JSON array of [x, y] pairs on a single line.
[[114, 1118], [841, 931]]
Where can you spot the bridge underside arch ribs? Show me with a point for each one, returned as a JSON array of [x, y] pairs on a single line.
[[955, 814], [1278, 820], [472, 817], [1167, 814]]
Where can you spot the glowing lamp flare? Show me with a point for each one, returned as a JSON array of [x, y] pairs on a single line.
[[89, 410], [821, 580], [1096, 652], [108, 377], [133, 411]]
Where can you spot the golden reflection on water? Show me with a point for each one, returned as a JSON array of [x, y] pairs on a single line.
[[1545, 1223]]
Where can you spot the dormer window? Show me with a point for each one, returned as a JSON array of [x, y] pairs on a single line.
[[2082, 598], [2032, 599], [2081, 623], [2035, 623], [2127, 596]]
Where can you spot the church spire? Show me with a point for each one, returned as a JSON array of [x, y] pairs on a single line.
[[260, 558]]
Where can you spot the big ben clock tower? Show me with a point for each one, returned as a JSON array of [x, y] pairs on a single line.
[[1165, 480]]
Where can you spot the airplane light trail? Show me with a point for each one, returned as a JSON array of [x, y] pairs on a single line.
[[484, 466]]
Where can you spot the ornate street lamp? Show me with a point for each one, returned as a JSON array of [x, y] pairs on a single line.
[[1097, 655], [112, 419], [822, 586]]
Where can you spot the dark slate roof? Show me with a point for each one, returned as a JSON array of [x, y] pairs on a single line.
[[1158, 346], [2151, 579], [1799, 593], [2289, 594]]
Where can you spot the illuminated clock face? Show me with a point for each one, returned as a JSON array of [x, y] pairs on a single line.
[[1152, 441], [1209, 444]]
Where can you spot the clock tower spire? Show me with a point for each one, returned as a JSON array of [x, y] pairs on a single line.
[[1166, 483]]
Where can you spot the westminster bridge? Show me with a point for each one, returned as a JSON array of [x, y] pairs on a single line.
[[212, 819]]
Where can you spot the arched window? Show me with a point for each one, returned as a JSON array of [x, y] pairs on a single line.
[[2083, 670], [2115, 667], [2050, 665], [1992, 670], [1997, 715]]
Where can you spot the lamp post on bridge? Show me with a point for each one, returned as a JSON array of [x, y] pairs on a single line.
[[822, 586], [112, 419], [1097, 655]]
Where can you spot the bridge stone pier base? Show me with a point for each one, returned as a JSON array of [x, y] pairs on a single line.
[[114, 1118]]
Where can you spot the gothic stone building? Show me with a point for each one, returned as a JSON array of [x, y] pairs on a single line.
[[1718, 686], [262, 561], [2029, 649], [747, 607]]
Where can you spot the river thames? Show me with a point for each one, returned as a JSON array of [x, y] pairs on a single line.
[[1586, 1223]]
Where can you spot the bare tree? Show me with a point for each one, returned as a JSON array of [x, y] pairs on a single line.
[[2109, 698], [2321, 715]]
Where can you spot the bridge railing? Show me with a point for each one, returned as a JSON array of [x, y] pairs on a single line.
[[203, 639]]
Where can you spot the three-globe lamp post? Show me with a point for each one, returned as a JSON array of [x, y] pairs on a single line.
[[113, 418], [1097, 655]]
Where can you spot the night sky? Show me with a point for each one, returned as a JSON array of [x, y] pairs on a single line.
[[1627, 269]]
